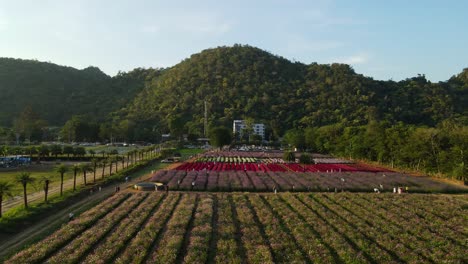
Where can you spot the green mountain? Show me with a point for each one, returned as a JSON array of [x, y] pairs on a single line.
[[55, 93], [238, 82], [246, 82]]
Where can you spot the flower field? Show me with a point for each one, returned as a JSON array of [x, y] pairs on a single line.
[[225, 164], [260, 181], [226, 171], [205, 227]]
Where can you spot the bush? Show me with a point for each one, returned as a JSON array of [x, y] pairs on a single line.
[[305, 159], [289, 156]]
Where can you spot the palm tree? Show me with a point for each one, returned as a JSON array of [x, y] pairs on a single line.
[[123, 161], [92, 152], [110, 160], [5, 152], [76, 169], [62, 169], [5, 189], [24, 178], [117, 159], [85, 167], [95, 163], [46, 182], [103, 163]]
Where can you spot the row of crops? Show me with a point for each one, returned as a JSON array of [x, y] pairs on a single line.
[[259, 181], [228, 159], [261, 228], [273, 166]]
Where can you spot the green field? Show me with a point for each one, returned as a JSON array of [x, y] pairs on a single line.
[[37, 172]]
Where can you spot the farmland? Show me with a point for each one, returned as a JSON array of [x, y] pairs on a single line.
[[297, 182], [242, 208], [266, 172], [196, 227]]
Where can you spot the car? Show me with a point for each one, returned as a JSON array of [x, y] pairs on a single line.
[[168, 160]]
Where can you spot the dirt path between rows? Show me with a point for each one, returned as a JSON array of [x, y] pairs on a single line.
[[13, 242]]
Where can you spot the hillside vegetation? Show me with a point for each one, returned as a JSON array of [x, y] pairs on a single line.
[[56, 93], [246, 82]]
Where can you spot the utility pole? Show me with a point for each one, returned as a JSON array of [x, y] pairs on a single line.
[[205, 128]]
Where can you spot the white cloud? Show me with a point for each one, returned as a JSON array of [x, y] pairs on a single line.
[[354, 59]]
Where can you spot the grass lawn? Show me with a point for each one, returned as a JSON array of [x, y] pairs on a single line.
[[37, 172], [186, 153]]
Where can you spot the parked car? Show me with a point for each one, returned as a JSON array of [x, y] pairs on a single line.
[[168, 160]]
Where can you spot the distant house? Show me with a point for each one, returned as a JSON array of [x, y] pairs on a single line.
[[239, 125]]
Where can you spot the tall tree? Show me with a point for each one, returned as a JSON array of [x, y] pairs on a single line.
[[94, 163], [85, 168], [76, 169], [110, 160], [28, 125], [24, 178], [5, 190], [62, 169], [46, 181], [56, 150], [220, 136], [104, 162], [68, 150]]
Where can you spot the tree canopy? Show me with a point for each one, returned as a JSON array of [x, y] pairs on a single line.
[[220, 136]]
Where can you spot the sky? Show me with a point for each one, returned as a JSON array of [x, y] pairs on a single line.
[[378, 38]]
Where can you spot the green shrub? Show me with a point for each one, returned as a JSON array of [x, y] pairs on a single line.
[[305, 159], [289, 156]]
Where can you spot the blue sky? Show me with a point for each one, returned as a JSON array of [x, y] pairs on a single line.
[[382, 39]]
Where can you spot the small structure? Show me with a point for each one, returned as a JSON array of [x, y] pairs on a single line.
[[148, 186]]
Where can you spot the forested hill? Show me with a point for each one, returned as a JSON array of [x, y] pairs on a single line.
[[238, 82], [246, 82], [55, 93]]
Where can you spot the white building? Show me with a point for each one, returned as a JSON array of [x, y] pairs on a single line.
[[239, 125]]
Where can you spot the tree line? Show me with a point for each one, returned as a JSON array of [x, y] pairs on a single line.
[[436, 150]]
